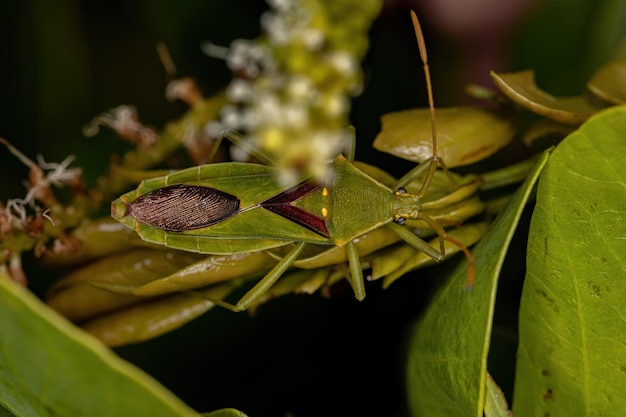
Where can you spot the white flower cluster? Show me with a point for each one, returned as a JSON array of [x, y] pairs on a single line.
[[292, 87]]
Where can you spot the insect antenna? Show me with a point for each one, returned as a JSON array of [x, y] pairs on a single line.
[[185, 89], [23, 158], [166, 60], [435, 161]]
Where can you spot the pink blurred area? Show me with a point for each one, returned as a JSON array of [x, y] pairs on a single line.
[[478, 30], [474, 19]]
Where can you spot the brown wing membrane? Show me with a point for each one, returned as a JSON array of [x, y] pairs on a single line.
[[183, 207]]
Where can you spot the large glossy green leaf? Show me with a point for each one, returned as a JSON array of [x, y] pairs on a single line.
[[50, 368], [446, 371], [572, 355]]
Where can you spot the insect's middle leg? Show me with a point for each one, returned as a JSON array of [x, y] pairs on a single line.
[[260, 288], [356, 272]]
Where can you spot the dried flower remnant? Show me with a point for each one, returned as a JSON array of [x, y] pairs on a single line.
[[292, 86], [58, 175], [7, 218], [124, 120], [185, 89], [28, 223]]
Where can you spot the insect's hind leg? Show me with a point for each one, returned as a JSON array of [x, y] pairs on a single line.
[[444, 236], [437, 255], [260, 288]]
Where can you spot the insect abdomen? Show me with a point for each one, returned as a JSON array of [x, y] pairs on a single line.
[[183, 207]]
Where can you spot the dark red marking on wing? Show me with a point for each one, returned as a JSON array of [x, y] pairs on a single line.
[[281, 205], [183, 207]]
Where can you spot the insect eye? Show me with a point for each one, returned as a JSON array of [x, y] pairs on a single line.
[[400, 220], [401, 190]]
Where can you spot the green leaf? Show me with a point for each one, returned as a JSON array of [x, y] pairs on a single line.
[[154, 317], [225, 412], [464, 134], [5, 413], [48, 367], [609, 82], [495, 403], [210, 270], [546, 129], [571, 357], [589, 34], [521, 88], [77, 298], [449, 345], [98, 238]]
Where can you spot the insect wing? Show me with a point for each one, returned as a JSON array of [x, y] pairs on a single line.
[[183, 207], [237, 222]]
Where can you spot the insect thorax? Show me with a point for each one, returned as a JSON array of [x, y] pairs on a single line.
[[359, 204]]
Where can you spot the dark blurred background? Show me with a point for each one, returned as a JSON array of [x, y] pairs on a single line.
[[63, 62]]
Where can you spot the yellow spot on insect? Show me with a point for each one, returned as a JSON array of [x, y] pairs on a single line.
[[325, 192], [324, 212]]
